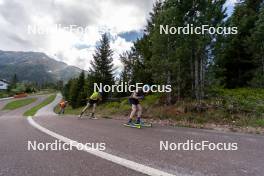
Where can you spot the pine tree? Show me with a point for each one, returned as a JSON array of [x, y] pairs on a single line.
[[14, 81], [201, 46], [81, 96], [256, 46], [128, 63], [136, 68], [73, 93], [102, 66], [66, 90], [235, 61]]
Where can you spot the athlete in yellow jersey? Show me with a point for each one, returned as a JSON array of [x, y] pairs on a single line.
[[94, 98]]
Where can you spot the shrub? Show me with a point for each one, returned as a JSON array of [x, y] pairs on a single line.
[[243, 99], [112, 105]]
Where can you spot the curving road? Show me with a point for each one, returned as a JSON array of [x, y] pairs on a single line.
[[140, 146]]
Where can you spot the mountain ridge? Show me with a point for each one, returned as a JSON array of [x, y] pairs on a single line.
[[34, 67]]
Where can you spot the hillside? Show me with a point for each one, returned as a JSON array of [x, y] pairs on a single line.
[[34, 67]]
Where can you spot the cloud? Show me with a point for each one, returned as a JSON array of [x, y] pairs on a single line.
[[230, 4], [80, 13], [113, 16], [122, 19]]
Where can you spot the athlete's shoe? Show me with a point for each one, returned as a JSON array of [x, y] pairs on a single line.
[[137, 122], [92, 116], [130, 123], [80, 116]]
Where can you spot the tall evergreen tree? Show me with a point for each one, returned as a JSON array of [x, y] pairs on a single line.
[[256, 46], [73, 93], [201, 46], [102, 66], [14, 81], [81, 96], [235, 61], [66, 90], [136, 68], [128, 63]]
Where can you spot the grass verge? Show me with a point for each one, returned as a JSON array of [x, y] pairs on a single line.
[[3, 94], [32, 111], [19, 103], [69, 110]]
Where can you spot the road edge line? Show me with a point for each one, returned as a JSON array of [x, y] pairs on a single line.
[[115, 159]]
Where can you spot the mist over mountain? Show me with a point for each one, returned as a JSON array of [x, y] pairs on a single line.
[[34, 67]]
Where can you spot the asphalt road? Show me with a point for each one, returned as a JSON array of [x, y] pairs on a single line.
[[16, 160], [139, 145]]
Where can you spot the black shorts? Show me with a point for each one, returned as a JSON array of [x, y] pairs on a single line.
[[133, 101], [91, 102]]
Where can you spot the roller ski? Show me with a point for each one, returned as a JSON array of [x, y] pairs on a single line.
[[143, 124], [91, 116], [132, 125]]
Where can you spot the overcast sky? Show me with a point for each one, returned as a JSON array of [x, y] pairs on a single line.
[[123, 19]]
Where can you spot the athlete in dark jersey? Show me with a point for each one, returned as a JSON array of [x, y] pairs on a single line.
[[136, 107]]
